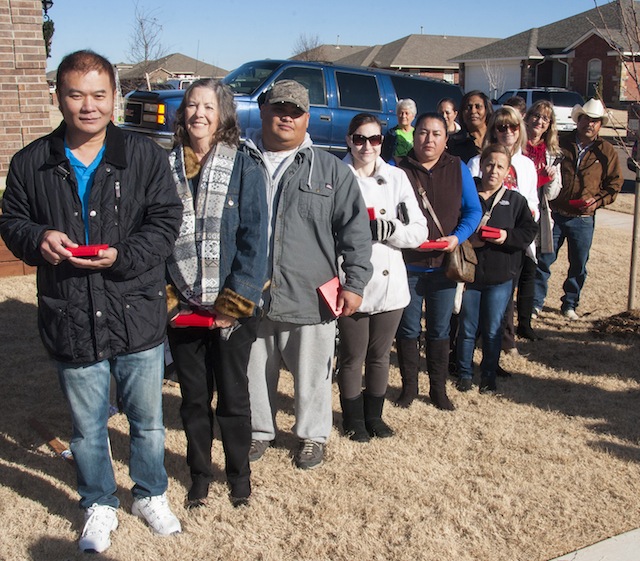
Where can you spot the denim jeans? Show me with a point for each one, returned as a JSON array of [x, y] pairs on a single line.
[[482, 306], [578, 231], [86, 388], [438, 293]]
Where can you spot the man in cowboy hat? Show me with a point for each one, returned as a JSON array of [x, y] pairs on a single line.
[[591, 179]]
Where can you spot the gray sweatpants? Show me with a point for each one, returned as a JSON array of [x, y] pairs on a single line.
[[307, 352]]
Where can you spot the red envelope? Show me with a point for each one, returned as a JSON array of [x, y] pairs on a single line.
[[432, 244], [489, 229], [329, 292], [87, 250], [193, 319], [372, 213]]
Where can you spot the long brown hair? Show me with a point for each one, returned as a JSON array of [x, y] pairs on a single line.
[[228, 131]]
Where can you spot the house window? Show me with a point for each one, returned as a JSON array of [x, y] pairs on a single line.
[[594, 73]]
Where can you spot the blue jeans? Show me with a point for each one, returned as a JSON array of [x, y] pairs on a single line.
[[438, 293], [482, 306], [86, 388], [578, 231]]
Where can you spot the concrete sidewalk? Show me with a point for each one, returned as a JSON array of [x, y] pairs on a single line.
[[625, 547], [617, 220]]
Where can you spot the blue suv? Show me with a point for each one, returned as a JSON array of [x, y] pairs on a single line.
[[336, 94]]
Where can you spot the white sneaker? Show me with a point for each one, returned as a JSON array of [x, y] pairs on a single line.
[[536, 313], [570, 314], [156, 512], [99, 522]]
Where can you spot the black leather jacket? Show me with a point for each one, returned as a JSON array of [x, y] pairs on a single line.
[[87, 316]]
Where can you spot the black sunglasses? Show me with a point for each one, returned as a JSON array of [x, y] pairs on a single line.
[[360, 139], [504, 128]]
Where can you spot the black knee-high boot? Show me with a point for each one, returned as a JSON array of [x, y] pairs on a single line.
[[437, 366], [408, 360]]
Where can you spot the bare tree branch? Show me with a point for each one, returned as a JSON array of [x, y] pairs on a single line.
[[495, 77], [305, 46], [145, 41]]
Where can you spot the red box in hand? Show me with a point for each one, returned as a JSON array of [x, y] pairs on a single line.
[[372, 213], [87, 250], [432, 244], [489, 233], [329, 292], [193, 319], [578, 203]]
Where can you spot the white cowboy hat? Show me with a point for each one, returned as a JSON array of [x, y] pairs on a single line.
[[593, 108]]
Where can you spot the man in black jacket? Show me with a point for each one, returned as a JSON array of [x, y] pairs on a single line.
[[100, 315]]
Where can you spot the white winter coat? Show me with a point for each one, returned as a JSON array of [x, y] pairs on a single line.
[[388, 289]]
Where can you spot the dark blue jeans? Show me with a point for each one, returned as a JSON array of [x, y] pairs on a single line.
[[438, 293], [482, 306], [578, 232]]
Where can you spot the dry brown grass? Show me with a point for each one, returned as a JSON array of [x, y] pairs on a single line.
[[551, 465]]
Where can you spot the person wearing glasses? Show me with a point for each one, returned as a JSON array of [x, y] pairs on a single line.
[[543, 148], [366, 336], [399, 140], [476, 109], [506, 127], [441, 182]]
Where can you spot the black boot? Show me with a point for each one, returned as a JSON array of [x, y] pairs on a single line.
[[408, 360], [353, 419], [525, 309], [373, 417], [437, 366]]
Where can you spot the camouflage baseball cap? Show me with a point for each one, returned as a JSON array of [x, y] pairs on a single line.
[[289, 91]]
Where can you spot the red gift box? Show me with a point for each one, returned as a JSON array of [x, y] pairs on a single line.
[[329, 292], [86, 250], [432, 244], [489, 233], [193, 319], [578, 203]]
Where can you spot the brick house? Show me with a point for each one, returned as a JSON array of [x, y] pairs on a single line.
[[24, 94], [427, 55], [578, 53]]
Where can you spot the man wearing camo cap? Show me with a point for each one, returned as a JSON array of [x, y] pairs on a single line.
[[316, 214]]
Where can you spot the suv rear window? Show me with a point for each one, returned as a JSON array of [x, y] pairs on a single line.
[[358, 91], [425, 93]]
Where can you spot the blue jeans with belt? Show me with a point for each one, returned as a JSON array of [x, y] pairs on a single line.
[[578, 232], [86, 388], [483, 306], [438, 293]]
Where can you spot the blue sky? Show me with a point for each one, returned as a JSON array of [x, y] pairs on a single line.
[[228, 34]]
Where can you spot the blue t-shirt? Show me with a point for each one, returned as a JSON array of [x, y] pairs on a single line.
[[84, 179]]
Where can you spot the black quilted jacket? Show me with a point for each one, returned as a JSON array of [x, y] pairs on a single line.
[[90, 316]]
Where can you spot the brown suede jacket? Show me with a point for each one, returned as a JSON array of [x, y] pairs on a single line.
[[599, 175]]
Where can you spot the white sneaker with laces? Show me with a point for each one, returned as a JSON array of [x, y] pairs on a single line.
[[570, 314], [99, 522], [156, 512]]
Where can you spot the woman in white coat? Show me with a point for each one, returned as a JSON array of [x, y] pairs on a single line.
[[366, 336]]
